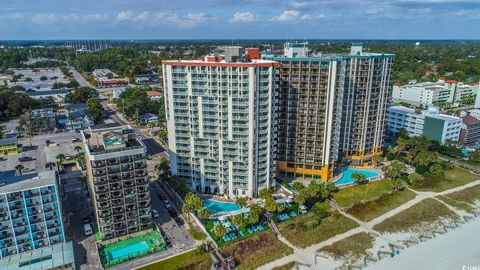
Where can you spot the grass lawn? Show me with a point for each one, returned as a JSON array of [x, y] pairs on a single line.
[[196, 233], [352, 247], [288, 266], [453, 178], [256, 250], [299, 234], [193, 259], [428, 211], [362, 192], [463, 199], [369, 210]]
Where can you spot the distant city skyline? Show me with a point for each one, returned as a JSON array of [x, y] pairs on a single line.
[[255, 19]]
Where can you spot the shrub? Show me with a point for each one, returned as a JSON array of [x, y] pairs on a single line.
[[312, 223], [321, 209]]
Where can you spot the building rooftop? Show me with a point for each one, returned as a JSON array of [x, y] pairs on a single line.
[[110, 137], [402, 109], [154, 93], [470, 120], [50, 257], [8, 141], [75, 106], [9, 182], [223, 63]]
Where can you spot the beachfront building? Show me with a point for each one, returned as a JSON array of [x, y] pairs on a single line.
[[367, 92], [31, 228], [117, 180], [400, 117], [220, 115], [470, 133], [432, 93], [331, 107], [429, 123]]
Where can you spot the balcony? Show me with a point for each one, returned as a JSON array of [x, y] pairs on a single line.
[[104, 214], [97, 164]]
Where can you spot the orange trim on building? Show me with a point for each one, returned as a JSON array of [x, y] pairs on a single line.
[[219, 64], [325, 173]]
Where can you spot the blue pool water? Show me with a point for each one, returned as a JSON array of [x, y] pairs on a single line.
[[347, 175], [127, 250], [216, 206]]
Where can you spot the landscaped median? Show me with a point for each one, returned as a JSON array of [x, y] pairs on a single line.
[[131, 248]]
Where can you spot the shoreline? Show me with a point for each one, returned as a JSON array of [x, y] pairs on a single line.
[[456, 249]]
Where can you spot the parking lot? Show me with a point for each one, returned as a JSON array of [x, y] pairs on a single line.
[[52, 74]]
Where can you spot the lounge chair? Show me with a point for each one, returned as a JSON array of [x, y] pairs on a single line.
[[242, 234]]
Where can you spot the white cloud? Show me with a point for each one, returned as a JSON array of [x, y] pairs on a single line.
[[291, 15], [242, 17], [155, 18], [51, 18]]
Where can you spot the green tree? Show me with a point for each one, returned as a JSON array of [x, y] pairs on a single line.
[[60, 159], [94, 109], [270, 205], [203, 214], [394, 170], [77, 148], [326, 189], [280, 207], [437, 171], [415, 179], [264, 193], [300, 198], [474, 156], [81, 95], [254, 214], [163, 168], [242, 202], [297, 186], [237, 220], [50, 165], [220, 230], [193, 202]]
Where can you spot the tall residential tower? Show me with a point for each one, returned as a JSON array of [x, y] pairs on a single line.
[[220, 118], [117, 180], [331, 110]]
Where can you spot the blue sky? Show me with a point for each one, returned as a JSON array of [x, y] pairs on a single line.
[[239, 19]]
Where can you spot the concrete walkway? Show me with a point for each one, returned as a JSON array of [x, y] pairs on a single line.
[[307, 255]]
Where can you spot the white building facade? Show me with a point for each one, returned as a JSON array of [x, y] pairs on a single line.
[[430, 93], [220, 118], [429, 123]]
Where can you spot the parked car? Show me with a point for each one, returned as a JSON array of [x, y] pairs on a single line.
[[87, 229], [86, 220], [76, 140], [179, 221], [154, 213], [161, 196], [166, 203], [23, 159], [303, 209]]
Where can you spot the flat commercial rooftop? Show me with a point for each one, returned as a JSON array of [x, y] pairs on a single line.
[[41, 259], [9, 182]]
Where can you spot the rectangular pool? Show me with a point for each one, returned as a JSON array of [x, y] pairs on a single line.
[[128, 250]]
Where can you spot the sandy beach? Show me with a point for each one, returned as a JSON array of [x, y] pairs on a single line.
[[457, 249]]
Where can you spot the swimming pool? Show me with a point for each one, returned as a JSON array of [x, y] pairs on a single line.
[[128, 250], [347, 175], [216, 206]]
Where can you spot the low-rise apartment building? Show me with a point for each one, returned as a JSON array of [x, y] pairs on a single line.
[[470, 134], [431, 93], [9, 146], [429, 123]]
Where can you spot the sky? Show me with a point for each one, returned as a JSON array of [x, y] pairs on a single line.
[[239, 19]]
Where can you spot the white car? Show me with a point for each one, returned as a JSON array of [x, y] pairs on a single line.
[[167, 204], [87, 228], [154, 213], [303, 209]]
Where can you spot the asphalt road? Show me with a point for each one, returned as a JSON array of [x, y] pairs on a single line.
[[79, 78]]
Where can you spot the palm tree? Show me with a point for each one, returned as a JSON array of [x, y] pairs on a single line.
[[77, 148], [241, 202], [19, 168], [79, 159], [203, 214], [163, 169], [50, 165], [60, 159], [219, 230]]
